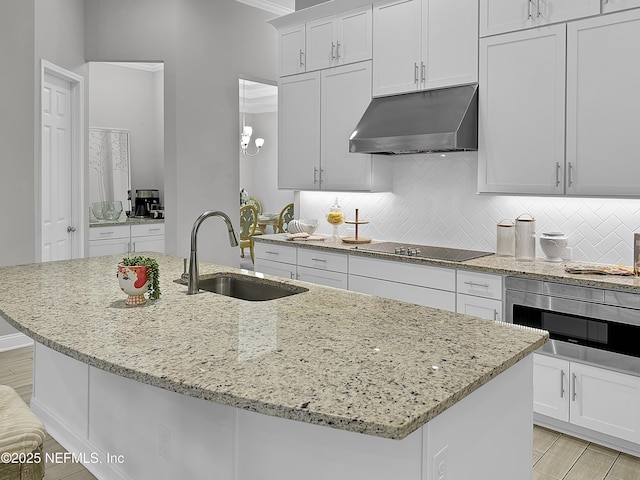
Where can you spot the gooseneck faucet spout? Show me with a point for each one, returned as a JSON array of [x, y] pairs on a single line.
[[193, 258]]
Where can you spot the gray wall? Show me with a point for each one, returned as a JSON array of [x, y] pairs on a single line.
[[132, 99], [206, 47], [300, 4]]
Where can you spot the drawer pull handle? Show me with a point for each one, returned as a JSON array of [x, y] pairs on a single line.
[[474, 284], [319, 260], [561, 383], [495, 315], [106, 233], [155, 229], [271, 253]]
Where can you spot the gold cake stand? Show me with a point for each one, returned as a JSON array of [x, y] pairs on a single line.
[[356, 239]]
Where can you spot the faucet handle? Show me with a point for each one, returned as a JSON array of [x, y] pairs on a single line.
[[185, 274]]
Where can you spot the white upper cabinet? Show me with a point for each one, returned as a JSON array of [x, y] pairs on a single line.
[[291, 50], [521, 108], [424, 44], [614, 5], [299, 131], [338, 40], [500, 16], [317, 113], [603, 105]]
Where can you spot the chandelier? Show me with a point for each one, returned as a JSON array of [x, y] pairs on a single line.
[[247, 131]]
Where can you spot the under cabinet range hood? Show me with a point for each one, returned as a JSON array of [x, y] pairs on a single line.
[[442, 120]]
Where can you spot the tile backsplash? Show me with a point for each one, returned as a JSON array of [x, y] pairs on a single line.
[[434, 202]]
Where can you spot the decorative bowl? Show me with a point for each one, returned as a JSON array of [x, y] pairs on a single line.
[[134, 282], [308, 225], [553, 245], [106, 210]]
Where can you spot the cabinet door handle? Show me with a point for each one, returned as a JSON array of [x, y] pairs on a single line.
[[530, 15], [338, 50], [495, 315], [415, 73], [271, 253], [474, 284], [570, 174], [573, 381], [333, 48], [423, 72], [538, 7], [301, 58], [557, 174], [561, 383], [321, 175], [292, 276], [315, 175]]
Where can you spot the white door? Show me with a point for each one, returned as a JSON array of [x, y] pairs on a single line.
[[521, 107], [551, 386], [346, 94], [57, 214], [603, 104], [397, 29]]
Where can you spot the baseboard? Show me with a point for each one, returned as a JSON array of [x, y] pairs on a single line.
[[93, 459], [13, 341]]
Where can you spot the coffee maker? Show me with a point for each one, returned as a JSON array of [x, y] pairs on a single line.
[[144, 199]]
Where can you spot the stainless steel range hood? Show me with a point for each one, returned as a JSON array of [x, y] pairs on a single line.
[[442, 120]]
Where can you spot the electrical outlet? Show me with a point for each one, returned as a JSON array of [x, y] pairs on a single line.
[[164, 442], [440, 464]]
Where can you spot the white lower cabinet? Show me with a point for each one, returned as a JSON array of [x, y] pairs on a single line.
[[279, 260], [125, 239], [598, 399], [420, 284], [479, 294]]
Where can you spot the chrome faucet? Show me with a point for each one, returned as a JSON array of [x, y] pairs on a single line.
[[193, 259]]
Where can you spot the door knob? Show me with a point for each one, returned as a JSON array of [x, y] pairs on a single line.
[[71, 229]]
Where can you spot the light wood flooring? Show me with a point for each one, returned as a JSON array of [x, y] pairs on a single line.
[[555, 456]]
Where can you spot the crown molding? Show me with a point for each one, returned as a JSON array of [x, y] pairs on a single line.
[[268, 6]]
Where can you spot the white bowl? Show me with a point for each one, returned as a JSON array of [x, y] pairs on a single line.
[[553, 245], [308, 225]]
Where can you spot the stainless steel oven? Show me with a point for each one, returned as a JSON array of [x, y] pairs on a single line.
[[593, 325]]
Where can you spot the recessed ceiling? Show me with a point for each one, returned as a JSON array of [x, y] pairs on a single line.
[[279, 7]]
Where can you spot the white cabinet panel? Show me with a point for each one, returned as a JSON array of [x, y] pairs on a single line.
[[479, 284], [299, 132], [322, 277], [115, 246], [606, 401], [521, 114], [291, 50], [321, 260], [427, 297], [614, 5], [479, 307], [321, 43], [142, 230], [277, 253], [551, 386], [603, 105], [278, 269], [109, 232]]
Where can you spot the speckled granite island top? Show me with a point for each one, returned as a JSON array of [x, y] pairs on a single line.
[[539, 269], [326, 356]]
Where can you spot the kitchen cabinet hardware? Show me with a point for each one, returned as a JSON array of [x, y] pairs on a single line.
[[301, 58], [570, 174], [423, 72], [319, 260], [538, 8], [107, 233], [71, 229], [315, 175], [338, 50], [573, 382], [495, 315], [271, 252], [333, 51], [530, 15], [561, 383], [474, 284], [557, 174], [415, 73]]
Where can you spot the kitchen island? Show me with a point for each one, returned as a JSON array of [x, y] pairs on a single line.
[[322, 384]]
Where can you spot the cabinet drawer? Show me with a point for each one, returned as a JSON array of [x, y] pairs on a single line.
[[334, 262], [322, 277], [479, 307], [479, 284], [278, 269], [106, 233], [145, 230], [277, 253], [406, 273]]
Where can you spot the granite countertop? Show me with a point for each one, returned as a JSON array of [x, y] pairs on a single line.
[[539, 269], [124, 221], [326, 356]]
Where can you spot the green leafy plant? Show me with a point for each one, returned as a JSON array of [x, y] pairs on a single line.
[[153, 272]]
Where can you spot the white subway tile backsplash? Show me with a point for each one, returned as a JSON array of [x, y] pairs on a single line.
[[434, 201]]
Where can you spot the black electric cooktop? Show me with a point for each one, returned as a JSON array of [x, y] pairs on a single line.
[[423, 251]]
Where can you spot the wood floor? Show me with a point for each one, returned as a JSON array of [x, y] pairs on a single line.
[[555, 456]]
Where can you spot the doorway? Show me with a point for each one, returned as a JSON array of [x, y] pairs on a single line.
[[61, 218]]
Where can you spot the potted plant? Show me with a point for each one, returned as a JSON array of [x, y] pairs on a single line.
[[136, 276]]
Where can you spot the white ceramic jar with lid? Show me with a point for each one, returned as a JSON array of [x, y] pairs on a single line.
[[553, 245], [525, 238], [506, 239]]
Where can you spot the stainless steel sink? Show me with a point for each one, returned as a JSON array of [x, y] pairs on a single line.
[[245, 287]]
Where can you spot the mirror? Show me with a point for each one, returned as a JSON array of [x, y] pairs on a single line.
[[109, 165]]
